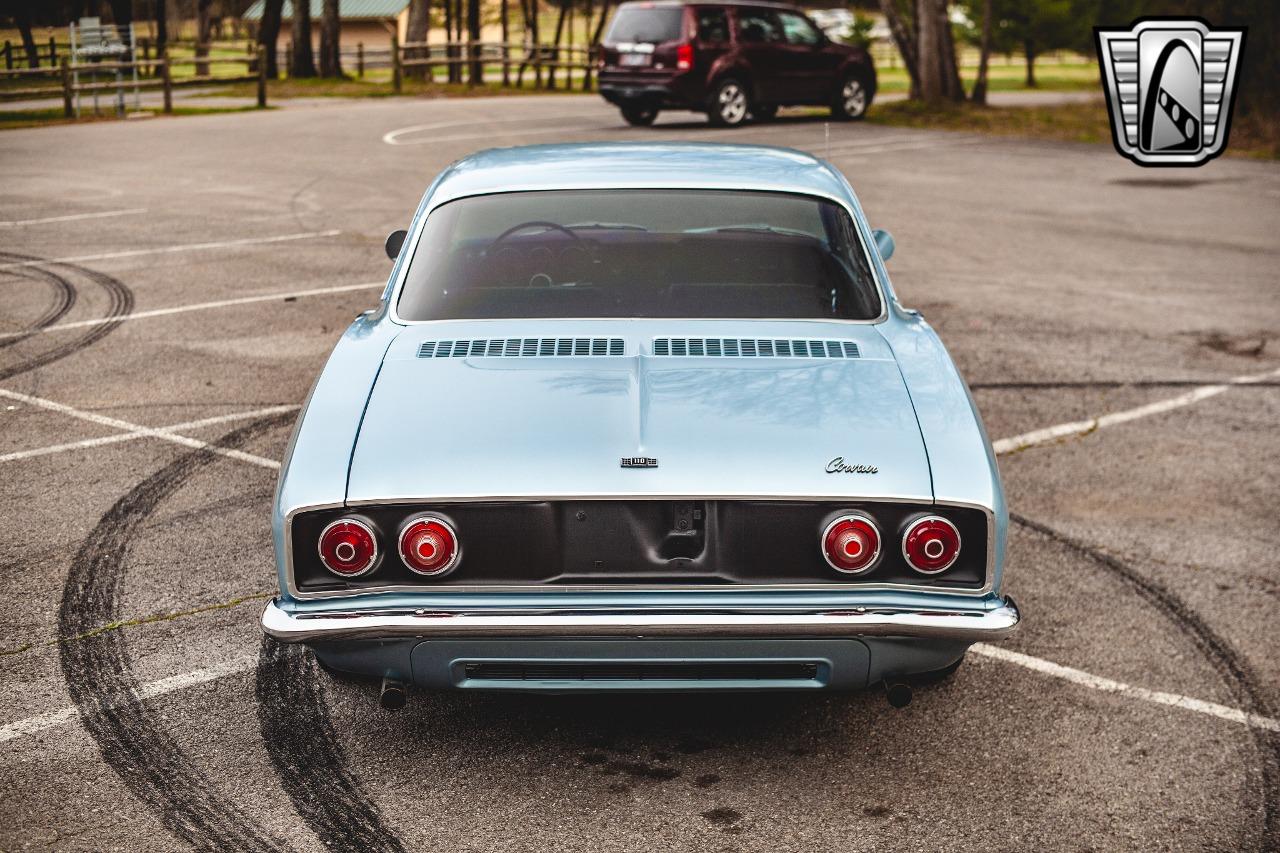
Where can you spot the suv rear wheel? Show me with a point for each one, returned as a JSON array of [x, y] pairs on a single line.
[[640, 116], [728, 104], [851, 98]]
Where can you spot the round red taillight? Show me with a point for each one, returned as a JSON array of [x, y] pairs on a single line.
[[348, 547], [429, 546], [931, 544], [851, 544]]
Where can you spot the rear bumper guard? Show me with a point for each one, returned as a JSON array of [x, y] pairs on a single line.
[[941, 624]]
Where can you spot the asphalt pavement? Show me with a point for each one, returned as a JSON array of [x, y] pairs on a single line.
[[176, 282]]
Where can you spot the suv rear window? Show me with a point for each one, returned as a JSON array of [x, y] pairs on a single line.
[[640, 23], [639, 253]]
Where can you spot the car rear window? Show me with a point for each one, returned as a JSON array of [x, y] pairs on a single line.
[[640, 23], [639, 253]]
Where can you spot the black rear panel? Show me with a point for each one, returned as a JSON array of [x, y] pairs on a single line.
[[669, 543]]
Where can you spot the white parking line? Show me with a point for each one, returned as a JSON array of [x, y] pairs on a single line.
[[392, 137], [151, 432], [199, 306], [1107, 685], [41, 722], [129, 436], [164, 250], [1076, 429], [52, 719], [71, 217]]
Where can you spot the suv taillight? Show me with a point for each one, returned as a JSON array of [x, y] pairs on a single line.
[[684, 57]]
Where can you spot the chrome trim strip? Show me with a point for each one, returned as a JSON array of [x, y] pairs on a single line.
[[940, 624], [988, 584]]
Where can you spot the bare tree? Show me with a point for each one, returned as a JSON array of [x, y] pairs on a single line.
[[203, 35], [904, 38], [939, 75], [304, 63], [269, 34], [162, 26], [980, 85], [475, 70], [331, 40], [22, 17], [555, 53], [416, 31]]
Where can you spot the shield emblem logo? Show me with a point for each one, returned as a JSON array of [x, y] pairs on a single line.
[[1170, 84]]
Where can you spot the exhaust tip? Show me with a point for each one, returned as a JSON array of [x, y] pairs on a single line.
[[898, 693], [394, 695]]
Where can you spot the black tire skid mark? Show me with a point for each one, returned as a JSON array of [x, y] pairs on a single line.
[[308, 757], [100, 678], [63, 301], [120, 304], [1234, 672]]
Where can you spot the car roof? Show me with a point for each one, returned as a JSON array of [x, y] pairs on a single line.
[[639, 165]]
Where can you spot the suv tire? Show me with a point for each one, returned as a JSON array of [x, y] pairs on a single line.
[[851, 98], [728, 104], [640, 116]]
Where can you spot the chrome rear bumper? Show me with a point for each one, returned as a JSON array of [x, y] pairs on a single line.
[[940, 624]]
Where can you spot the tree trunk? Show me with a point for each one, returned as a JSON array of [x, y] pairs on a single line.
[[475, 75], [525, 39], [22, 17], [504, 16], [951, 85], [304, 63], [930, 57], [203, 35], [980, 85], [122, 17], [269, 34], [904, 39], [555, 54], [162, 26], [331, 40], [1031, 64], [604, 16], [416, 30]]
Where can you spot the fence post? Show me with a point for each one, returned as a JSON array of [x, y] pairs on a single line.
[[396, 69], [262, 77], [53, 51], [360, 59], [288, 58], [8, 55], [167, 79], [65, 68]]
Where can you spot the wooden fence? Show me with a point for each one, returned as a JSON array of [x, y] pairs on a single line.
[[161, 78], [473, 57]]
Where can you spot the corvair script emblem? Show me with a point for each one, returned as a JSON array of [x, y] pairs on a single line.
[[639, 462], [839, 466]]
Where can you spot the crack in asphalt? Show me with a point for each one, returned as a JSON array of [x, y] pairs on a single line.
[[1231, 668]]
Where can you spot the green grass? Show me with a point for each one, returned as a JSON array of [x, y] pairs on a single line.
[[1088, 122], [1050, 77], [378, 85]]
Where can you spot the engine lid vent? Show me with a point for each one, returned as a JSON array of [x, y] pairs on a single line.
[[755, 348], [521, 347]]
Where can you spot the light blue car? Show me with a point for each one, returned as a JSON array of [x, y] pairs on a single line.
[[640, 417]]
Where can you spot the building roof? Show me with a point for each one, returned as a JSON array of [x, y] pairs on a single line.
[[634, 165], [349, 9]]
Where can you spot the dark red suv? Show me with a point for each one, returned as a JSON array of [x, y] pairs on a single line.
[[729, 60]]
